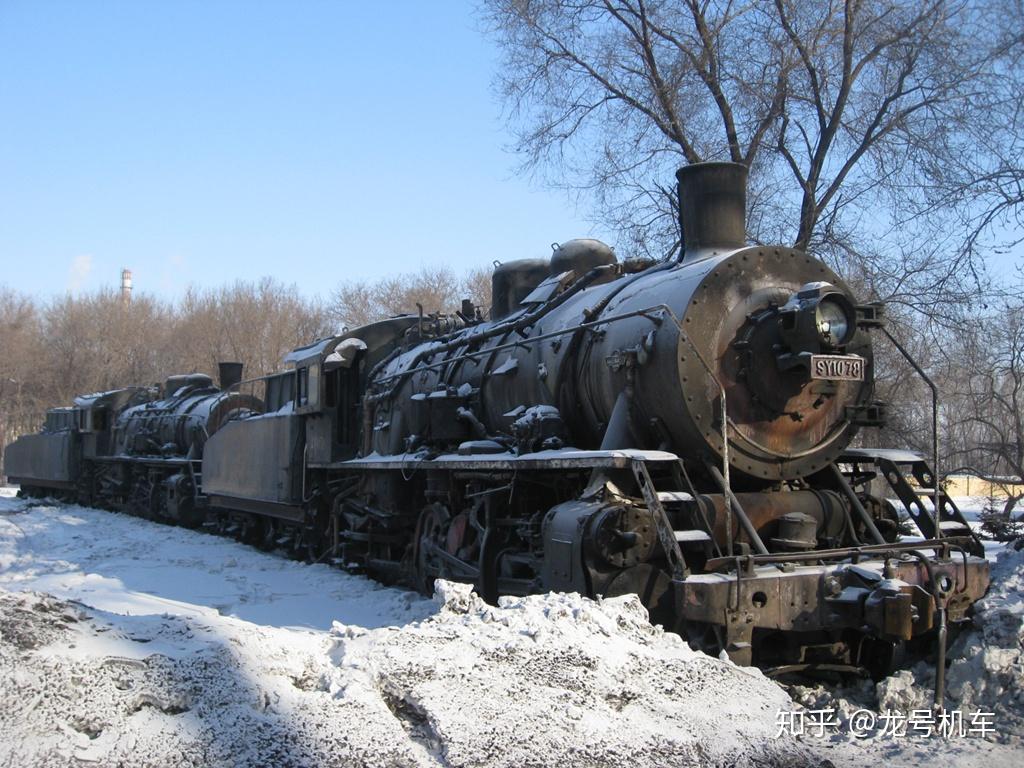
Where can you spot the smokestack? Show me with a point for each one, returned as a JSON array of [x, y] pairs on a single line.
[[126, 286], [230, 374], [712, 208]]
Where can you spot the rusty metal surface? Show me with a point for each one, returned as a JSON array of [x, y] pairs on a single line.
[[766, 509], [897, 603], [651, 350]]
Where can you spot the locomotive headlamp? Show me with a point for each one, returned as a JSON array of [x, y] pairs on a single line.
[[832, 321], [818, 316]]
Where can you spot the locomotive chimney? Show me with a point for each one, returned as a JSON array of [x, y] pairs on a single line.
[[712, 207], [230, 374]]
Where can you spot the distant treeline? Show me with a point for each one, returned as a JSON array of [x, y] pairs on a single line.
[[54, 349]]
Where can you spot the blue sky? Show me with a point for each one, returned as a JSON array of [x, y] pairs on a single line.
[[313, 141], [200, 142]]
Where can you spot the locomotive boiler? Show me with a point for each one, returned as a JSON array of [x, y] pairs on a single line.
[[680, 429], [652, 357]]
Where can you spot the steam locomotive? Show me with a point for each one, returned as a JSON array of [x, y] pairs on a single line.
[[680, 430]]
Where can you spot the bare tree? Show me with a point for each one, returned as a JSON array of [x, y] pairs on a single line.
[[983, 181], [50, 352], [20, 401], [97, 342], [435, 289], [985, 420], [858, 119], [476, 286], [254, 323]]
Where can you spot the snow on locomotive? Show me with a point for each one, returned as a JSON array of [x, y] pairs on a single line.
[[680, 430]]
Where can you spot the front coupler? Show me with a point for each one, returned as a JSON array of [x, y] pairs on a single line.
[[892, 592]]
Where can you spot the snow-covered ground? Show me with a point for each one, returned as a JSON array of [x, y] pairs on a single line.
[[125, 565], [124, 642]]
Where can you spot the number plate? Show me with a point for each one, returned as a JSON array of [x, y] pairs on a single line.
[[837, 367]]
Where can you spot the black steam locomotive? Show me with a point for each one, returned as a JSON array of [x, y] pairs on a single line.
[[680, 430]]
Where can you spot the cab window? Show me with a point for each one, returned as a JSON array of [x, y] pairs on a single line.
[[302, 390]]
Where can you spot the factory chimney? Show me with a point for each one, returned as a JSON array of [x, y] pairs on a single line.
[[126, 286]]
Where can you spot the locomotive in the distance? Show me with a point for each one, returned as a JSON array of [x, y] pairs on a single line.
[[680, 430]]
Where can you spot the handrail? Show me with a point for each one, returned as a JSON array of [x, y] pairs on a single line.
[[936, 475], [841, 553], [844, 486], [733, 504]]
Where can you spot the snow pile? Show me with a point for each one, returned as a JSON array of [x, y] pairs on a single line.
[[81, 687], [990, 670], [124, 642], [539, 681], [987, 668], [560, 679]]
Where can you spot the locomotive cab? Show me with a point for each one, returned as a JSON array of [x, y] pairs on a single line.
[[312, 417], [330, 376]]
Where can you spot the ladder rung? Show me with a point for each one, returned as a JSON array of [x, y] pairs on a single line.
[[670, 496], [953, 525], [694, 535]]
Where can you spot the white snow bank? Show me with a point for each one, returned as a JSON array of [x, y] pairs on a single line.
[[81, 686], [187, 649], [559, 679], [170, 647], [541, 681], [131, 566], [987, 667]]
